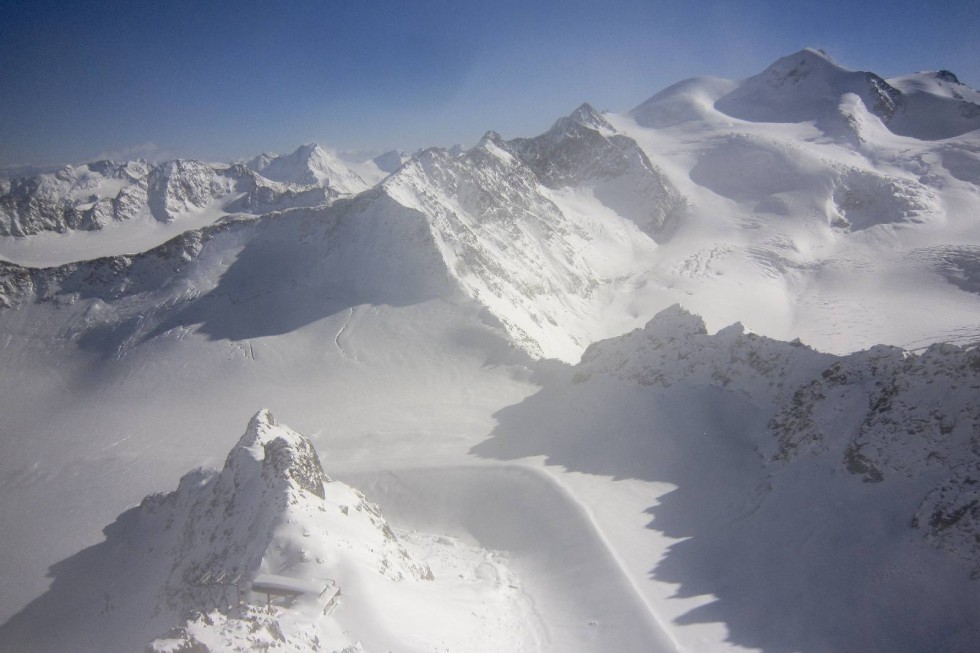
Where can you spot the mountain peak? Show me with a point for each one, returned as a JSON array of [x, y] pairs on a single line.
[[808, 86], [492, 138], [493, 144], [259, 427], [815, 55], [261, 422], [261, 161], [798, 66], [309, 165], [391, 160], [587, 116], [676, 320], [284, 454], [309, 150]]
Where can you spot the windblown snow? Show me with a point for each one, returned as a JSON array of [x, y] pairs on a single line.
[[701, 376]]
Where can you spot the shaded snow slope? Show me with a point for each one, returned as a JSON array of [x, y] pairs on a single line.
[[295, 267], [860, 539], [935, 105], [391, 160], [580, 591]]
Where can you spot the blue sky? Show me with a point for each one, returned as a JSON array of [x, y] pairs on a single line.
[[225, 80]]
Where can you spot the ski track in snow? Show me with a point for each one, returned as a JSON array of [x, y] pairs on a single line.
[[341, 332], [580, 587]]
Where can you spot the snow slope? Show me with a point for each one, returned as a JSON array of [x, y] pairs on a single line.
[[808, 215], [546, 263], [106, 208], [270, 513], [805, 501], [310, 165], [687, 486]]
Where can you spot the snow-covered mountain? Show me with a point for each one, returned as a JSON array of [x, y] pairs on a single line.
[[309, 165], [487, 340], [542, 255], [888, 415], [810, 85], [195, 567], [95, 195], [528, 228], [391, 160], [824, 502]]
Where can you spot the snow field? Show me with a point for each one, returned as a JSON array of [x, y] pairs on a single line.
[[583, 596]]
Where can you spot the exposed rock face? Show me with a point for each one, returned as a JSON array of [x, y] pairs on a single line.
[[499, 234], [85, 197], [286, 456], [909, 411], [241, 630], [180, 186], [950, 515], [890, 414], [108, 278], [674, 347], [299, 464], [583, 149], [496, 213]]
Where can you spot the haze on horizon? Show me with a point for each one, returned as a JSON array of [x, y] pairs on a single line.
[[223, 80]]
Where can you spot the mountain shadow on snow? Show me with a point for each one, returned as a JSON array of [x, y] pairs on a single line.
[[801, 549]]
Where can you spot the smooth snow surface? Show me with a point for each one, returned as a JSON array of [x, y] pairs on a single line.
[[579, 588], [664, 380]]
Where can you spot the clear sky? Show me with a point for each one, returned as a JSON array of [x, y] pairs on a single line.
[[225, 80]]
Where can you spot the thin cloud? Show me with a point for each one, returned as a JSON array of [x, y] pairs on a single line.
[[149, 151]]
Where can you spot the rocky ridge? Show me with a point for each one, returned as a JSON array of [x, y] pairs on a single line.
[[884, 415], [496, 214], [92, 196], [584, 150], [191, 556]]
